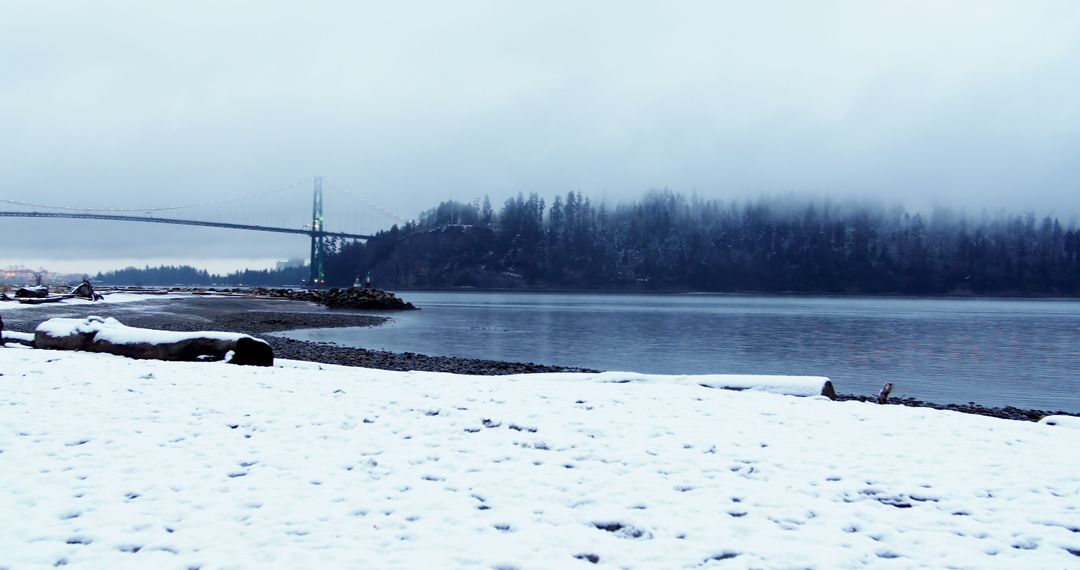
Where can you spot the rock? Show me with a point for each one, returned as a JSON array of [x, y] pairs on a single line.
[[364, 299], [1005, 413], [358, 298]]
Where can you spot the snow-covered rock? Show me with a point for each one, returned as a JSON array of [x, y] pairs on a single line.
[[108, 462]]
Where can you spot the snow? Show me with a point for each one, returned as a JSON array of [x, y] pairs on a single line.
[[19, 336], [1063, 421], [108, 462], [792, 385], [109, 298], [111, 330]]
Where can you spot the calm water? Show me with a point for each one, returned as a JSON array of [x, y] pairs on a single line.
[[995, 352]]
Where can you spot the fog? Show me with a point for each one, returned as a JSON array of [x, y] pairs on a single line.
[[970, 105]]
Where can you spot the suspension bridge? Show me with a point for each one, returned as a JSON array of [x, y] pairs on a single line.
[[315, 231]]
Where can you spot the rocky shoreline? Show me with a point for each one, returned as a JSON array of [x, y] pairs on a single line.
[[1003, 412], [404, 361], [356, 298], [253, 315]]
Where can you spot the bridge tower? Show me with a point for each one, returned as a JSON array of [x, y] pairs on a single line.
[[318, 245]]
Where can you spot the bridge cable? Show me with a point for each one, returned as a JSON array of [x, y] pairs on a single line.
[[371, 205], [162, 209]]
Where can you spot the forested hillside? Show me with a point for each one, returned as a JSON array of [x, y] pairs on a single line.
[[668, 241]]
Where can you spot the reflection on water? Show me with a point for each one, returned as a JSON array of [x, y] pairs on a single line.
[[996, 352]]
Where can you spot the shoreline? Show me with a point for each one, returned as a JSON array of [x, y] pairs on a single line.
[[243, 289], [1005, 295], [265, 316]]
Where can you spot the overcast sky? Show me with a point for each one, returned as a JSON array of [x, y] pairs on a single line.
[[137, 104]]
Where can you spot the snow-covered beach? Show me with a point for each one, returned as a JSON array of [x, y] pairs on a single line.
[[112, 462]]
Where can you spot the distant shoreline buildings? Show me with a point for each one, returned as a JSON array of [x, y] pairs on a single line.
[[20, 275], [292, 262]]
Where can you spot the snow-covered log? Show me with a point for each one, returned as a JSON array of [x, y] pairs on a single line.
[[86, 291], [96, 334], [790, 385], [31, 292], [43, 300]]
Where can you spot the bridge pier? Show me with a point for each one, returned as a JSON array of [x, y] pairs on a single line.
[[318, 239]]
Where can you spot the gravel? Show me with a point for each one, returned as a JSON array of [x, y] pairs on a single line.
[[1004, 412]]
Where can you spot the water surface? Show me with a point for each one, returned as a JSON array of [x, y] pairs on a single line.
[[993, 351]]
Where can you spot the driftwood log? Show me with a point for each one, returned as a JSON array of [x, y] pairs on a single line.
[[883, 395], [42, 300], [828, 390], [31, 292], [95, 334], [86, 291], [11, 337]]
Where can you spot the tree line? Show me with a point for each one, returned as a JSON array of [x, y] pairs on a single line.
[[668, 241], [165, 275]]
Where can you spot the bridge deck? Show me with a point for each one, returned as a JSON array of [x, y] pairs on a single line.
[[155, 220]]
